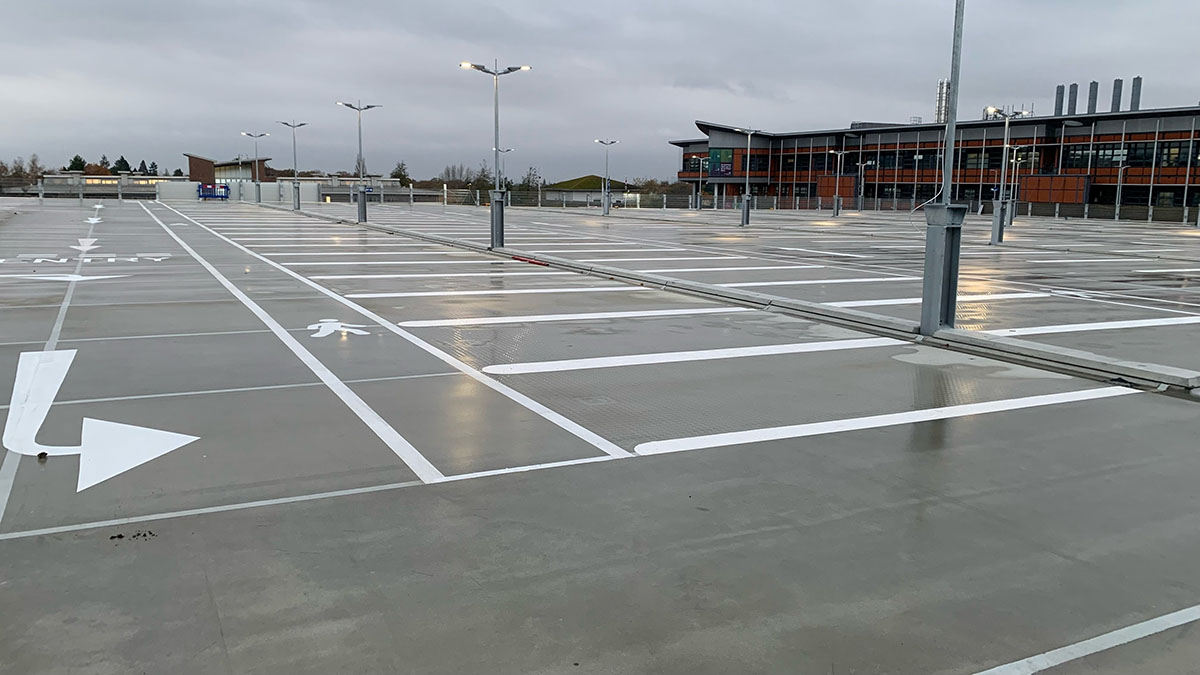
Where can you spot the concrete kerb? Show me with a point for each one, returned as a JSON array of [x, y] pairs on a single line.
[[1021, 352]]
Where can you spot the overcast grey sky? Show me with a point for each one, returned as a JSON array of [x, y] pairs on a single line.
[[153, 80]]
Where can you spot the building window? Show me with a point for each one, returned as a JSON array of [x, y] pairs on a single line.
[[1076, 157], [757, 163], [1139, 154], [1173, 154], [720, 162], [1109, 155]]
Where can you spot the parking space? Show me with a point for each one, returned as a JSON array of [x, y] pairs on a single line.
[[348, 409]]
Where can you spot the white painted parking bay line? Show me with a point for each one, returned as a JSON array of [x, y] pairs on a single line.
[[873, 421], [1100, 643], [734, 269], [813, 250], [801, 282], [679, 357], [505, 291], [1096, 325], [542, 318], [606, 250], [415, 461], [481, 261], [914, 301], [586, 435], [433, 250], [702, 257], [1084, 260], [439, 275], [1170, 269]]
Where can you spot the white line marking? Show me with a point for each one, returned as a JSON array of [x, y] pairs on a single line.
[[341, 243], [734, 269], [1116, 638], [604, 445], [1097, 325], [917, 301], [433, 250], [702, 257], [438, 275], [680, 357], [859, 280], [606, 250], [512, 291], [542, 318], [235, 390], [279, 501], [813, 250], [873, 421], [420, 466], [1148, 250], [481, 261], [1083, 260], [1170, 269]]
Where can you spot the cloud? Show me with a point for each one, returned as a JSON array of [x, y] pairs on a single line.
[[155, 80]]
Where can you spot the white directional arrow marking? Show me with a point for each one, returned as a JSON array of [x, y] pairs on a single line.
[[93, 220], [85, 245], [62, 277], [106, 449]]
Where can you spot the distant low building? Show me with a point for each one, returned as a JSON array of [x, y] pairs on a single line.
[[587, 189], [205, 170]]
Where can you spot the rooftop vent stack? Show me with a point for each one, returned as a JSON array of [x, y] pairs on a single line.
[[1072, 98], [1093, 94], [1135, 94], [1116, 101], [1058, 99]]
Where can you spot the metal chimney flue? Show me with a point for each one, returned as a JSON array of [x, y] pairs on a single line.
[[1135, 94], [1072, 98], [1093, 94], [1058, 100], [1116, 99]]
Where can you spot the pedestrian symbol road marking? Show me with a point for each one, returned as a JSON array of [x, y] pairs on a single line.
[[106, 449], [327, 327]]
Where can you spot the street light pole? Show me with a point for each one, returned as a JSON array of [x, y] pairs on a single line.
[[257, 185], [1120, 173], [837, 183], [294, 125], [497, 198], [1002, 207], [362, 165], [943, 221], [746, 191], [606, 198]]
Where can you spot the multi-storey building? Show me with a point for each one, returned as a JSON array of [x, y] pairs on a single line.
[[1073, 163]]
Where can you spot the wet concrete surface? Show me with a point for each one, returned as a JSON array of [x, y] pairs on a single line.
[[882, 508]]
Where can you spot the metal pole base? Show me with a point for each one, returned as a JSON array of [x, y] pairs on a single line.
[[605, 204], [943, 238], [497, 197], [837, 206], [362, 204], [745, 212], [999, 220], [257, 193], [295, 196]]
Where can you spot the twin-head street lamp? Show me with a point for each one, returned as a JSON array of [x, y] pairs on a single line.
[[362, 165], [1001, 207], [257, 186], [497, 200], [746, 193], [606, 198], [294, 125]]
